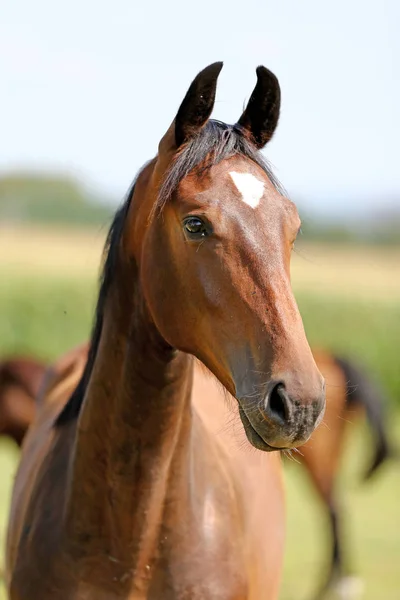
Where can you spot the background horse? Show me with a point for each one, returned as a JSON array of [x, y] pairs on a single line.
[[350, 394], [20, 379], [125, 489]]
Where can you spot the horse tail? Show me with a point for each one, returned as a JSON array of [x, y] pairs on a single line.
[[362, 391]]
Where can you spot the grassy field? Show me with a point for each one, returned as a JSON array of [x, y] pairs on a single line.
[[350, 302]]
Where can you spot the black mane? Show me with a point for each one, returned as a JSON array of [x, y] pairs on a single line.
[[214, 143], [110, 252]]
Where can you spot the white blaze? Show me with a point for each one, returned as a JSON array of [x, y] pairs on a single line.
[[249, 186]]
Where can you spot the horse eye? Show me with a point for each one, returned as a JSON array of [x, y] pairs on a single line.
[[195, 227]]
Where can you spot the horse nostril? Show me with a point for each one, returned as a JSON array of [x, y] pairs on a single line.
[[278, 403]]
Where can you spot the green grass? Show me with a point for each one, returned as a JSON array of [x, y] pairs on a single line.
[[8, 463], [46, 317]]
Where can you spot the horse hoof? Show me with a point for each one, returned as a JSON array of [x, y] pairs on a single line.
[[348, 588]]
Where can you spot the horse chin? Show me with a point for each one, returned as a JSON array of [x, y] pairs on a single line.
[[253, 436]]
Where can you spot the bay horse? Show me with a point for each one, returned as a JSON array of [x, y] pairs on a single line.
[[350, 393], [20, 379], [125, 490]]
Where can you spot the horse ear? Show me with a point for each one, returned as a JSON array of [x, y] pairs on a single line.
[[197, 105], [261, 115]]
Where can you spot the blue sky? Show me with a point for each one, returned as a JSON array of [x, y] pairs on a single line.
[[89, 88]]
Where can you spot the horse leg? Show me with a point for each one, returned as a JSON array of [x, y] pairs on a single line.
[[336, 564], [339, 584]]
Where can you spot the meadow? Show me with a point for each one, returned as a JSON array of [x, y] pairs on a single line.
[[350, 301]]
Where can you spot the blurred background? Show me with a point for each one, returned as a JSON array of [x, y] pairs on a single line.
[[89, 88]]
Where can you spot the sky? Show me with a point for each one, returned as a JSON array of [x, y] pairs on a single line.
[[89, 87]]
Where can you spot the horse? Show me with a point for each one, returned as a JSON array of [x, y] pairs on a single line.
[[125, 489], [350, 394], [20, 380]]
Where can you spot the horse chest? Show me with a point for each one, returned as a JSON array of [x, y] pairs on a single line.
[[200, 556], [200, 572], [193, 559], [192, 578]]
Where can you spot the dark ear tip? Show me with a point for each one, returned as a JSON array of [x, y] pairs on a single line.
[[209, 74], [261, 114], [214, 68], [264, 73], [198, 103]]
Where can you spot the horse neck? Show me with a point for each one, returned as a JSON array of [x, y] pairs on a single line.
[[135, 423]]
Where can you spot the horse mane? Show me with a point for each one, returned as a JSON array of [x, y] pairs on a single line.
[[110, 253], [215, 142]]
